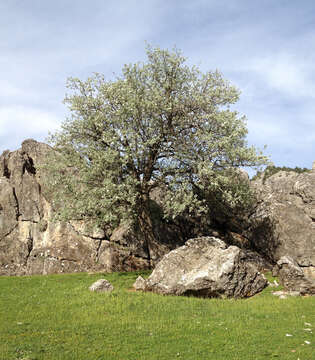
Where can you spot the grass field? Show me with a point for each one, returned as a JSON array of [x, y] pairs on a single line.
[[57, 317]]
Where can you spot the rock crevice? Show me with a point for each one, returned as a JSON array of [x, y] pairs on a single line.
[[31, 243]]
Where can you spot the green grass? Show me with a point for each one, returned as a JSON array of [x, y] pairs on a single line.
[[56, 317]]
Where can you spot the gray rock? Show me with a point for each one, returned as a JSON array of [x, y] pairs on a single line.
[[30, 243], [243, 174], [101, 285], [139, 284], [8, 208], [293, 278], [283, 223], [206, 267], [309, 272], [284, 294]]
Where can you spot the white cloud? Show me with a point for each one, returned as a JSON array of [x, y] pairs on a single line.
[[286, 73], [8, 89], [25, 122]]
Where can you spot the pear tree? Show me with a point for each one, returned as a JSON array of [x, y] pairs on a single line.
[[160, 124]]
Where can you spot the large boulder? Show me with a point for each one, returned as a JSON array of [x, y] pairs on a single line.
[[283, 223], [282, 228], [206, 267]]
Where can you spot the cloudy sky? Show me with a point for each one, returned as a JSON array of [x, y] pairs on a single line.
[[264, 47]]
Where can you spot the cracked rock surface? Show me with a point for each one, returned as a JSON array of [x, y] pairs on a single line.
[[206, 267], [284, 221], [293, 277], [30, 243], [283, 227]]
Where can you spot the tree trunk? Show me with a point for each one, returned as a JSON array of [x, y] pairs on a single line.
[[146, 225]]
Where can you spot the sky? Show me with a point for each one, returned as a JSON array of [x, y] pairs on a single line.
[[263, 47]]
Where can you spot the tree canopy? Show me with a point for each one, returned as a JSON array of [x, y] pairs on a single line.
[[160, 124]]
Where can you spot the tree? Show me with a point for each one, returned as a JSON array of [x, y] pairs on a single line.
[[160, 124]]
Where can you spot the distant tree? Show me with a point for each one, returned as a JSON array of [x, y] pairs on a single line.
[[271, 170], [160, 124]]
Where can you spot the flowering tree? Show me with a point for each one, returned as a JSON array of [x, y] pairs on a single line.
[[160, 124]]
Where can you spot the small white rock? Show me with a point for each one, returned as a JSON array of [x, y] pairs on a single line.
[[288, 335], [139, 283], [307, 342], [285, 294], [101, 285]]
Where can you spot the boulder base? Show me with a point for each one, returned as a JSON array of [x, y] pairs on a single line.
[[206, 267], [293, 278]]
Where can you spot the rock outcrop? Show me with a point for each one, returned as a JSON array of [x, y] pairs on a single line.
[[293, 278], [30, 243], [206, 267], [283, 226], [284, 221]]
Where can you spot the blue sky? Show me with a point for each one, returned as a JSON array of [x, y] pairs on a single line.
[[265, 48]]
